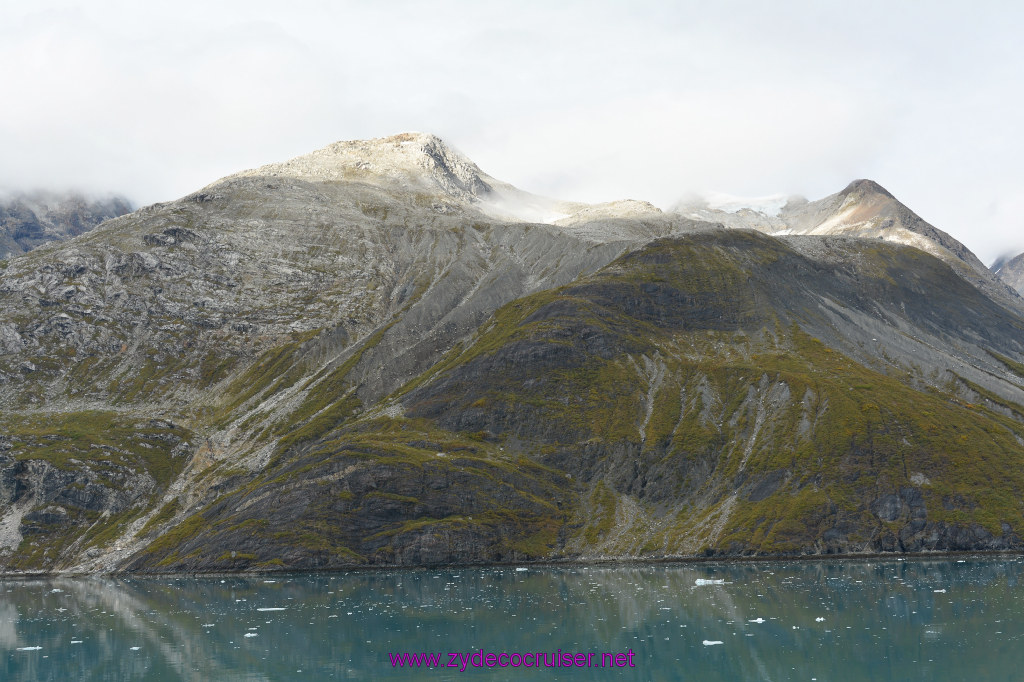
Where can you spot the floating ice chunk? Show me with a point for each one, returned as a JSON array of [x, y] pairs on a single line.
[[712, 642], [273, 608], [819, 619], [251, 634], [29, 648], [707, 581], [756, 620], [940, 591]]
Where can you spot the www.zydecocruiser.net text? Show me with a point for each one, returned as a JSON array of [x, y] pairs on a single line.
[[462, 660]]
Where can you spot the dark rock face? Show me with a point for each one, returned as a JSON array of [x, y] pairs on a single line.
[[346, 509], [592, 336], [31, 220]]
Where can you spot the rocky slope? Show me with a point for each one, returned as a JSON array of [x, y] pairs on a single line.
[[1011, 271], [28, 220], [863, 209], [370, 355]]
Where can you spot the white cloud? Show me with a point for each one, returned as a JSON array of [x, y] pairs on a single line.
[[594, 100]]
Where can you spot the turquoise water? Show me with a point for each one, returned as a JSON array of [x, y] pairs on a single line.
[[864, 620]]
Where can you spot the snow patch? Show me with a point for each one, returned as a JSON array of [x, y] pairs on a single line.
[[770, 205]]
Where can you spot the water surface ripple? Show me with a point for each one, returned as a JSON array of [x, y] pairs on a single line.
[[833, 620]]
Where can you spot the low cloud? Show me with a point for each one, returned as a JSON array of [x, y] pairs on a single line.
[[592, 101]]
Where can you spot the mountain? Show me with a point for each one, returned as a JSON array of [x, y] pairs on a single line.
[[1011, 271], [375, 355], [863, 209], [29, 220]]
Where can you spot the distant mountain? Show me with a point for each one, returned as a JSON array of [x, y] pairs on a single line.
[[863, 209], [377, 354], [29, 220], [1011, 271]]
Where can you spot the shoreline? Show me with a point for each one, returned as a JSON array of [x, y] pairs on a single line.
[[612, 562]]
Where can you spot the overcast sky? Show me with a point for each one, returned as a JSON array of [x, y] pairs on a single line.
[[591, 101]]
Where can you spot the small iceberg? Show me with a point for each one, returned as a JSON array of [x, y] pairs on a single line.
[[708, 581], [273, 608], [712, 642]]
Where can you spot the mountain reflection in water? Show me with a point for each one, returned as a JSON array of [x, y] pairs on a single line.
[[836, 620]]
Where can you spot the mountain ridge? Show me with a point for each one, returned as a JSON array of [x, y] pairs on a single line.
[[863, 209], [317, 364]]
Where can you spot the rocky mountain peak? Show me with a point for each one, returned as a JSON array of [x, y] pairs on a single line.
[[417, 161], [864, 187]]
